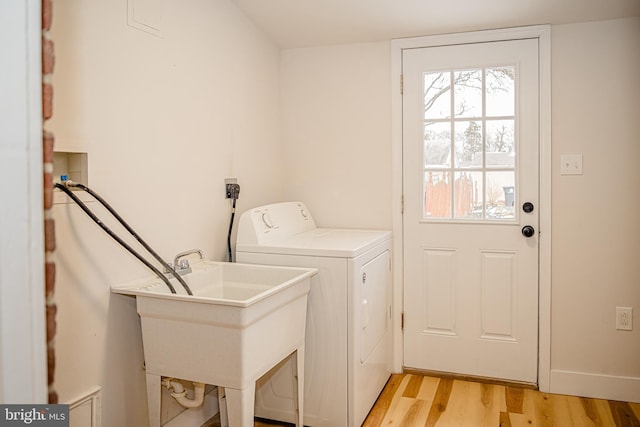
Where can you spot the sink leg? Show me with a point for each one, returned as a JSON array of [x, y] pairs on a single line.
[[222, 404], [240, 406], [153, 399], [299, 384]]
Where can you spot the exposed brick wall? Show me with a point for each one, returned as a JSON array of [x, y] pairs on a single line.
[[49, 230]]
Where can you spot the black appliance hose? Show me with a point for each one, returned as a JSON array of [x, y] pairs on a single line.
[[116, 237], [233, 214], [134, 234]]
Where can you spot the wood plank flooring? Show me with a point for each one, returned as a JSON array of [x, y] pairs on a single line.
[[414, 400], [410, 400]]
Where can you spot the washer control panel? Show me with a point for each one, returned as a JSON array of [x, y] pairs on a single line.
[[273, 222]]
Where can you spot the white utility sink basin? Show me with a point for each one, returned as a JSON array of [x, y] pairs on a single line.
[[241, 321]]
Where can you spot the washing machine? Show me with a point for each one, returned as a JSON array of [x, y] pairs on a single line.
[[348, 335]]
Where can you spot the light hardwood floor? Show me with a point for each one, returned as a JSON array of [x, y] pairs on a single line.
[[415, 400]]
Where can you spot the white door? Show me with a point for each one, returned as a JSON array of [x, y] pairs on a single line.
[[470, 184]]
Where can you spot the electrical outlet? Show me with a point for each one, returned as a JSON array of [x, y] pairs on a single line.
[[228, 186], [231, 188], [624, 318]]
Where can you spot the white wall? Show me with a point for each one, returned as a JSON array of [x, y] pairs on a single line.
[[336, 108], [336, 115], [164, 120], [596, 267]]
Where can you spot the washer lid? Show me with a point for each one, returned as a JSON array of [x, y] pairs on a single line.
[[327, 242]]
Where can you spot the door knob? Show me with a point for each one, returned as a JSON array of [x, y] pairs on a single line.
[[528, 231], [527, 207]]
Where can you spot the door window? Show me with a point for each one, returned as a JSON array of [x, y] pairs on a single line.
[[470, 144]]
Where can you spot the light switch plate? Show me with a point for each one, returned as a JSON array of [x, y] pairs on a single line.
[[571, 164]]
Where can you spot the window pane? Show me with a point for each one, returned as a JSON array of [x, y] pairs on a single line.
[[467, 195], [500, 195], [500, 91], [500, 143], [437, 145], [468, 93], [437, 95], [437, 195], [468, 144]]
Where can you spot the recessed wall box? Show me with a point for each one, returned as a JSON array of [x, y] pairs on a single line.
[[72, 166]]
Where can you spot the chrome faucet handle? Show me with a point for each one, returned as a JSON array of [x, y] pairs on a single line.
[[166, 270], [184, 264]]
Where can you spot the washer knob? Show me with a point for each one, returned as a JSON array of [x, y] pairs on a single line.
[[267, 220]]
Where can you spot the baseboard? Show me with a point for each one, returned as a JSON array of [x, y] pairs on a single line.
[[598, 386]]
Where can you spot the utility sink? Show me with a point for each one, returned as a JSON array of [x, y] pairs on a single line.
[[241, 320]]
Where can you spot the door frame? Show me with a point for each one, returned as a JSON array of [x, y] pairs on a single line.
[[543, 34], [23, 364]]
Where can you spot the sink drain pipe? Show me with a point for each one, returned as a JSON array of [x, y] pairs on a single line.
[[180, 394]]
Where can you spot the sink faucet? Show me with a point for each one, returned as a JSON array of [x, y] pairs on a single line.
[[181, 266], [185, 253]]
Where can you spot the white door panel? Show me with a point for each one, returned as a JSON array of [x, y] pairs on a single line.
[[470, 161]]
